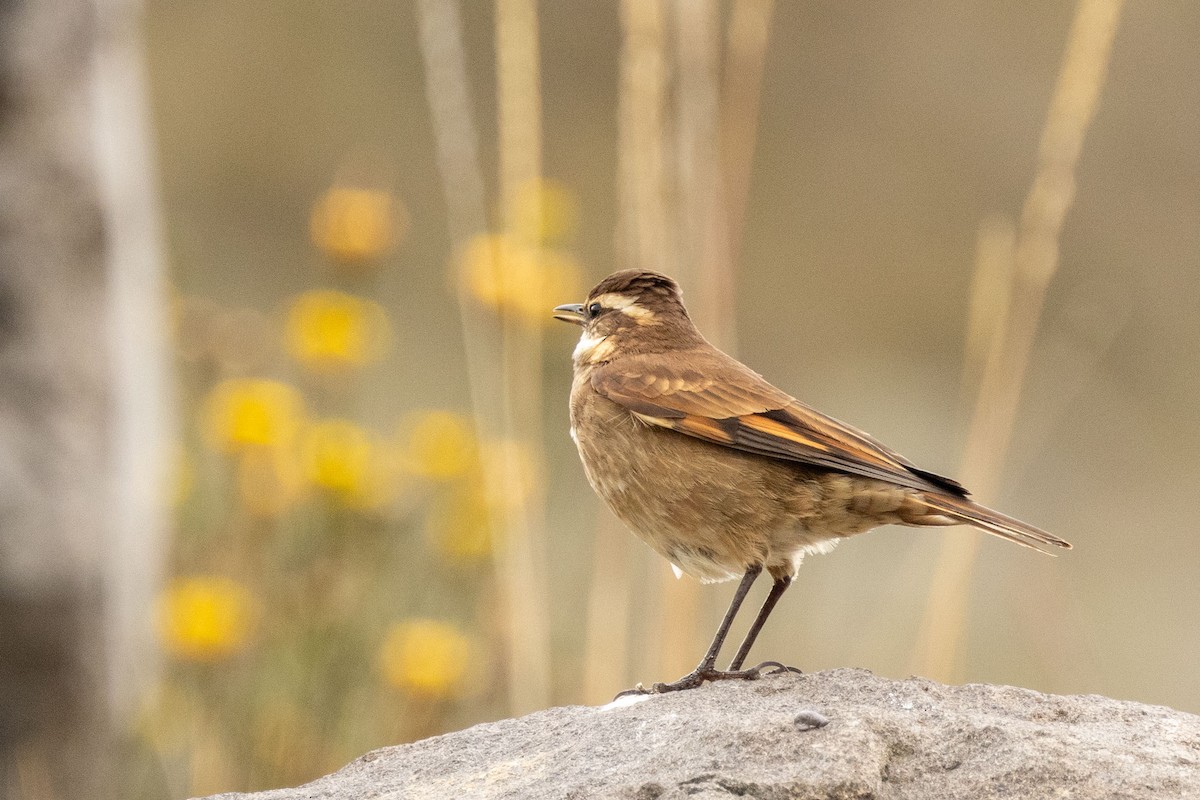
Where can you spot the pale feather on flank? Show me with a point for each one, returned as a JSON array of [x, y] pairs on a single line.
[[812, 547], [821, 547], [678, 572]]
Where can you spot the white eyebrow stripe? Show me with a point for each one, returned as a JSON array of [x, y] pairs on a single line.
[[615, 300], [625, 304]]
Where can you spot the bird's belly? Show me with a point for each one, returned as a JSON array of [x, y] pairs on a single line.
[[711, 511]]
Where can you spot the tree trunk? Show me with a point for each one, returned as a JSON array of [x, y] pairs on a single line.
[[65, 477]]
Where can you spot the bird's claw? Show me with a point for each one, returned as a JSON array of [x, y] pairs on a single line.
[[703, 673], [635, 691], [776, 668]]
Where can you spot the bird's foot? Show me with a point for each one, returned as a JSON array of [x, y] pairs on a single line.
[[704, 673], [773, 668]]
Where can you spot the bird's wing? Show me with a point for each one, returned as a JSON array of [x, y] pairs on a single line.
[[711, 396]]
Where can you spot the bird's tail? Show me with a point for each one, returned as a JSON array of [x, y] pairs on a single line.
[[962, 510]]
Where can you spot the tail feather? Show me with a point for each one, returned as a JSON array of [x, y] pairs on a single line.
[[965, 511]]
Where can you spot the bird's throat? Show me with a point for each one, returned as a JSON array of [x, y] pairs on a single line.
[[592, 349]]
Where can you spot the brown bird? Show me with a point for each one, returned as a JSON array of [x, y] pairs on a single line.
[[722, 473]]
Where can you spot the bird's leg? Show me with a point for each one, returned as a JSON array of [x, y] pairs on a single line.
[[710, 658], [707, 671], [777, 589]]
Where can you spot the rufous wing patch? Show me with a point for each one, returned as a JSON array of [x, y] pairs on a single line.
[[771, 427], [710, 396]]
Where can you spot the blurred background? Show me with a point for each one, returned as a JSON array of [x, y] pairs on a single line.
[[284, 465]]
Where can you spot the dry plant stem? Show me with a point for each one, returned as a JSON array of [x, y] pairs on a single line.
[[741, 93], [1072, 108], [988, 305], [696, 153], [672, 214], [522, 551], [606, 645], [642, 226], [640, 240], [458, 160], [142, 384], [696, 215], [454, 127], [462, 182]]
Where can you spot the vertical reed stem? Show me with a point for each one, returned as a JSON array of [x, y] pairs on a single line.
[[522, 552], [1072, 109], [640, 242], [490, 365]]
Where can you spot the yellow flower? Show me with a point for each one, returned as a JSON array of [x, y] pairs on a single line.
[[459, 527], [439, 445], [204, 617], [341, 457], [269, 481], [425, 657], [352, 225], [336, 454], [510, 277], [329, 330], [544, 211], [246, 413]]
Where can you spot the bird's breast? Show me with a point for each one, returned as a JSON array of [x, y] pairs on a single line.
[[709, 510]]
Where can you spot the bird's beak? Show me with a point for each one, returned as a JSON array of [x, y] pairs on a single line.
[[572, 312]]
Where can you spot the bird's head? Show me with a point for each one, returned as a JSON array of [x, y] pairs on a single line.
[[627, 313]]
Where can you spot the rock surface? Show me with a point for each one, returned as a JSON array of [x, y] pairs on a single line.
[[885, 739]]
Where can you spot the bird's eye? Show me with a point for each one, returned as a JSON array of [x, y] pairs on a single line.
[[594, 310]]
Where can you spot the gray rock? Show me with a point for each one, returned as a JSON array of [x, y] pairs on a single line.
[[884, 739]]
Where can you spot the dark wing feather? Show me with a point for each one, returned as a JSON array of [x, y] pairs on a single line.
[[720, 400], [995, 523]]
